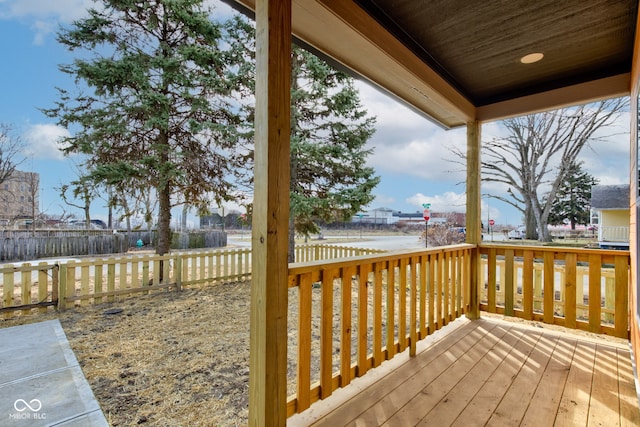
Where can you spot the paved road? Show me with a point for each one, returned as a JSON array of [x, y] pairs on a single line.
[[373, 242], [394, 242]]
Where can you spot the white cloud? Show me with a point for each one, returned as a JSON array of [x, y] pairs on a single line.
[[425, 158], [43, 141], [383, 201], [60, 10], [408, 143], [446, 202]]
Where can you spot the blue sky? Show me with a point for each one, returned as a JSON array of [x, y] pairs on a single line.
[[409, 152]]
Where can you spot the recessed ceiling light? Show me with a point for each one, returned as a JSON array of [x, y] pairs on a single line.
[[531, 58]]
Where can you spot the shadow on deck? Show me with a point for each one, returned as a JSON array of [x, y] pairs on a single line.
[[491, 372]]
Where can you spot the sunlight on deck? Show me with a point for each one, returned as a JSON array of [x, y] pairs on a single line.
[[492, 372]]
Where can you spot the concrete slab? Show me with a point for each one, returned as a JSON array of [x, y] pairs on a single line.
[[41, 382]]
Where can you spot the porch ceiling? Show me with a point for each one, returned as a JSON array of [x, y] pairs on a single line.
[[459, 60]]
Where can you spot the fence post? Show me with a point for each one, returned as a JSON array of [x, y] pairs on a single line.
[[62, 286], [55, 284]]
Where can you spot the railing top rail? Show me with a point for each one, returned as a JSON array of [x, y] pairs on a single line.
[[304, 267], [585, 251]]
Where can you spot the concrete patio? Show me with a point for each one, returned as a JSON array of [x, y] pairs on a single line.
[[41, 382]]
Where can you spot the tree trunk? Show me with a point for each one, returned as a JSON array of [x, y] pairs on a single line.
[[87, 214], [292, 239], [164, 222], [531, 225]]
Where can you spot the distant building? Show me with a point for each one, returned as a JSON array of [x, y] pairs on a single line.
[[610, 205], [437, 218], [375, 216], [384, 216], [19, 197]]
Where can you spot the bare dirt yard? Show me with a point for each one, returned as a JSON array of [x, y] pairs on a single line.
[[166, 359]]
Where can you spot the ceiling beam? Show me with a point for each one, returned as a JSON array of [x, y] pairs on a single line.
[[609, 87]]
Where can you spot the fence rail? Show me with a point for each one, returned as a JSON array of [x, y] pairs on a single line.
[[351, 315], [584, 289]]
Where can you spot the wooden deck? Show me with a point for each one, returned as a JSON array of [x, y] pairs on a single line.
[[492, 372]]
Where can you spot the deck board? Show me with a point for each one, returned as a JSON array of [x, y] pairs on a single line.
[[574, 407], [491, 372]]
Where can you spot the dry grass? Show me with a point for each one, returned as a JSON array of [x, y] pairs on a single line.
[[167, 359]]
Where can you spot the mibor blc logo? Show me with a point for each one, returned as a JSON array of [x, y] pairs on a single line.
[[27, 410]]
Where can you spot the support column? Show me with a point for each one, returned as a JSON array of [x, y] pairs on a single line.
[[473, 221], [268, 341]]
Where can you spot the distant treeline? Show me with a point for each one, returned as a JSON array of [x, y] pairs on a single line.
[[21, 245]]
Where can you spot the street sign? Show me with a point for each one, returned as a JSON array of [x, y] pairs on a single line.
[[426, 214], [491, 222]]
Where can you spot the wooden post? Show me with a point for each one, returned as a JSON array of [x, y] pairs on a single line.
[[268, 341], [474, 232]]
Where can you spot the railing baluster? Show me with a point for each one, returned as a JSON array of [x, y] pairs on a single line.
[[304, 341], [326, 335], [391, 309], [346, 325], [491, 280], [431, 292], [413, 332], [446, 279], [439, 290], [466, 278], [508, 285], [595, 297], [549, 288], [377, 313], [363, 319], [424, 261], [527, 285], [453, 265], [402, 306], [570, 291], [621, 296]]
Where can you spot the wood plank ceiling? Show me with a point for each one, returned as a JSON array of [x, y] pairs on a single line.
[[459, 60]]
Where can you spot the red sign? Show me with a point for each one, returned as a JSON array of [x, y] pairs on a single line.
[[491, 222], [426, 214]]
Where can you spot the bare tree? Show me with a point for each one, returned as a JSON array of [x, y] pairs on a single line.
[[534, 158], [11, 149], [84, 190]]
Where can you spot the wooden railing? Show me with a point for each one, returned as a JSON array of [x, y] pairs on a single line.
[[584, 289], [348, 316], [316, 252]]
